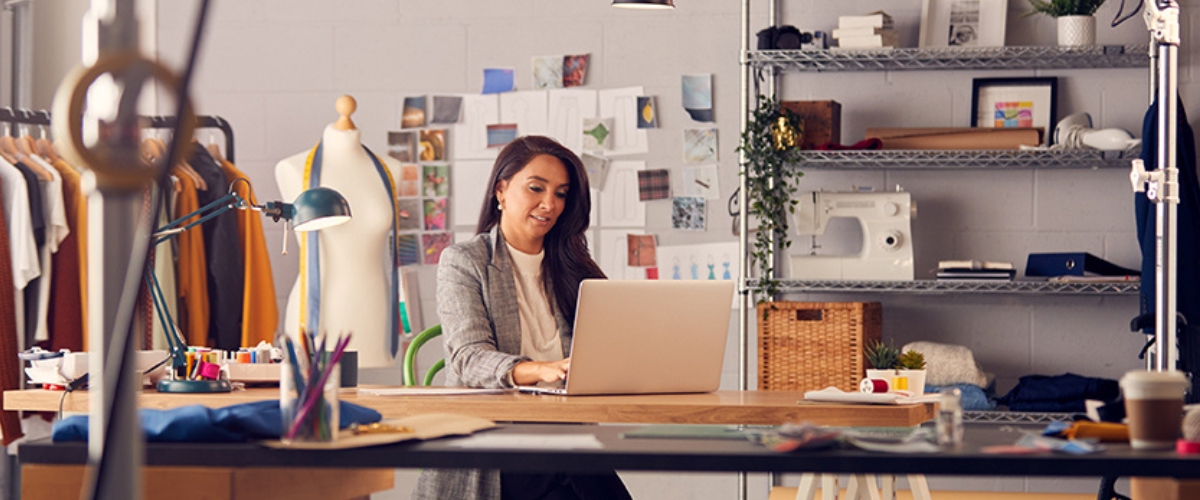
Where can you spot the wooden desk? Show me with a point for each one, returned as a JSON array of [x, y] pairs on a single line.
[[721, 407]]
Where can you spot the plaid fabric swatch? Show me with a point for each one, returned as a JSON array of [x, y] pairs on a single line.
[[654, 184]]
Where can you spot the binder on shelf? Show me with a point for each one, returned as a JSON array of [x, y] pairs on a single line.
[[1073, 264]]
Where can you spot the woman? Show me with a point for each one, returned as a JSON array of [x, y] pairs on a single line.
[[506, 301]]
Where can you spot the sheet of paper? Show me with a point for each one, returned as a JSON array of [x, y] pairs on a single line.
[[470, 181], [526, 109], [567, 109], [497, 80], [530, 441], [621, 105], [701, 182], [614, 254], [470, 134], [619, 204], [428, 391], [705, 261], [548, 72]]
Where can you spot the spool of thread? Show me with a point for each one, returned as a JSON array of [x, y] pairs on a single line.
[[873, 386]]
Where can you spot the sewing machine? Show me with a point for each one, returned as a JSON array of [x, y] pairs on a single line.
[[886, 221]]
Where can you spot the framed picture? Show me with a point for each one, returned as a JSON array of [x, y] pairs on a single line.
[[963, 23], [1014, 102]]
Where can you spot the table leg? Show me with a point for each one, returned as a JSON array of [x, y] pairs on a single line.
[[808, 487], [829, 487], [888, 486], [920, 489]]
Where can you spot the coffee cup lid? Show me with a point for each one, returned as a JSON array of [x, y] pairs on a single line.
[[1142, 377]]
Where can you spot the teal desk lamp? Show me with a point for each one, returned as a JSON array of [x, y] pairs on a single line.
[[313, 210]]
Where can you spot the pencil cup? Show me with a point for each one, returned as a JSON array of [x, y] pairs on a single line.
[[308, 414]]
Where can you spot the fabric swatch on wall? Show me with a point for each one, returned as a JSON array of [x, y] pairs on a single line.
[[654, 184]]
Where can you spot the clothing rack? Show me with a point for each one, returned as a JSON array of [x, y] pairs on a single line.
[[42, 119]]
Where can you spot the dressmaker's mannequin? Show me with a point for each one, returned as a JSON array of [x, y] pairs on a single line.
[[355, 263]]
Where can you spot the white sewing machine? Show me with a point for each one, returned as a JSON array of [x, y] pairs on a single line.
[[887, 246]]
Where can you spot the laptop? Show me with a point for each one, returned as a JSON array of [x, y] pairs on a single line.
[[647, 337]]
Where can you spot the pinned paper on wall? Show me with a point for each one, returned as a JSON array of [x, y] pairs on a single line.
[[410, 180], [501, 134], [410, 212], [497, 80], [613, 257], [654, 184], [697, 97], [403, 146], [641, 250], [597, 169], [435, 214], [568, 108], [597, 134], [413, 114], [621, 105], [436, 180], [619, 204], [434, 244], [409, 248], [433, 145], [707, 261], [548, 72], [470, 134], [688, 213], [446, 108], [574, 70], [528, 110], [700, 145], [701, 182], [470, 182], [646, 116]]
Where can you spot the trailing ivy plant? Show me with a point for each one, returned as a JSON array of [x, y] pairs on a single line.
[[771, 143]]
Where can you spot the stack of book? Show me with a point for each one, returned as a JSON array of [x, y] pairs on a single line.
[[874, 30], [975, 270]]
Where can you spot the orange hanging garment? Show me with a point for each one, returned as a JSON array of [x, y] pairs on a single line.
[[260, 311], [66, 292], [192, 271]]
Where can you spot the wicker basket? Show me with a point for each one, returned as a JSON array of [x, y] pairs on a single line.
[[804, 346]]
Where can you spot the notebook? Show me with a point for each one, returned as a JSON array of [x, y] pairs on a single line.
[[647, 337]]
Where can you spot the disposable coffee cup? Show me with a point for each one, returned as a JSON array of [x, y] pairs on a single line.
[[1154, 405]]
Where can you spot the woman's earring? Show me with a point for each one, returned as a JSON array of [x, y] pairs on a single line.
[[499, 206]]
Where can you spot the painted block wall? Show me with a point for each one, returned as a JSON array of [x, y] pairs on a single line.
[[274, 67]]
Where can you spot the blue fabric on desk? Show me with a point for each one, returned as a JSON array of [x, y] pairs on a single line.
[[1058, 393], [973, 397], [197, 424]]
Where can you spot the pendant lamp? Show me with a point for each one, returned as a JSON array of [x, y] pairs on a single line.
[[644, 4]]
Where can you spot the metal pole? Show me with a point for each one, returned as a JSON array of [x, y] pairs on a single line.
[[745, 299]]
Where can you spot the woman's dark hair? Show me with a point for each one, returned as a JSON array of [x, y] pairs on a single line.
[[566, 260]]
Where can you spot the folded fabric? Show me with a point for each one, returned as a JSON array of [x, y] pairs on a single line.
[[1065, 387], [973, 397], [948, 364], [197, 424]]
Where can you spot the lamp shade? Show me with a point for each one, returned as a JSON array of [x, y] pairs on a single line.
[[319, 208], [644, 4]]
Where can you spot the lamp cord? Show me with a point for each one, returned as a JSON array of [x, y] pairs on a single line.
[[119, 359]]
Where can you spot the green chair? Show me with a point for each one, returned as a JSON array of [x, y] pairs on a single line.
[[410, 357]]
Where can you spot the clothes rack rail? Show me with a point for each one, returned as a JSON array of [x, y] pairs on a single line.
[[42, 118]]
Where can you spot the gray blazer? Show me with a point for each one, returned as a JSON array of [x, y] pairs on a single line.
[[481, 331]]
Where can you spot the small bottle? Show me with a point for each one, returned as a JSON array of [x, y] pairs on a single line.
[[950, 418]]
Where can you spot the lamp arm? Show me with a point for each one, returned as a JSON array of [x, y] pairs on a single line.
[[174, 343], [221, 205]]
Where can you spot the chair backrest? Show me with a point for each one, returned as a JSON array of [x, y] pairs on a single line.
[[410, 357]]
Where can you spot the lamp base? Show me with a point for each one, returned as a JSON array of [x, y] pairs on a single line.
[[194, 386]]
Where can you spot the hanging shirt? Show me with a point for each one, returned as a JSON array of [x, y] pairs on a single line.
[[23, 248], [56, 231], [260, 309], [222, 247], [10, 365], [540, 340], [191, 271], [66, 324], [164, 272], [73, 189]]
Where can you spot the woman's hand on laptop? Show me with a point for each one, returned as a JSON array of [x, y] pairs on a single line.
[[532, 372]]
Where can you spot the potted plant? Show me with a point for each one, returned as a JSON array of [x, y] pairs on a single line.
[[771, 145], [903, 371], [1076, 19]]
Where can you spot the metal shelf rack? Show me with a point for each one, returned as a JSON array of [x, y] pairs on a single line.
[[967, 160], [936, 287], [975, 58], [1015, 417]]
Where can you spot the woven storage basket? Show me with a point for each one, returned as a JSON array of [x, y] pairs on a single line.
[[805, 346]]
